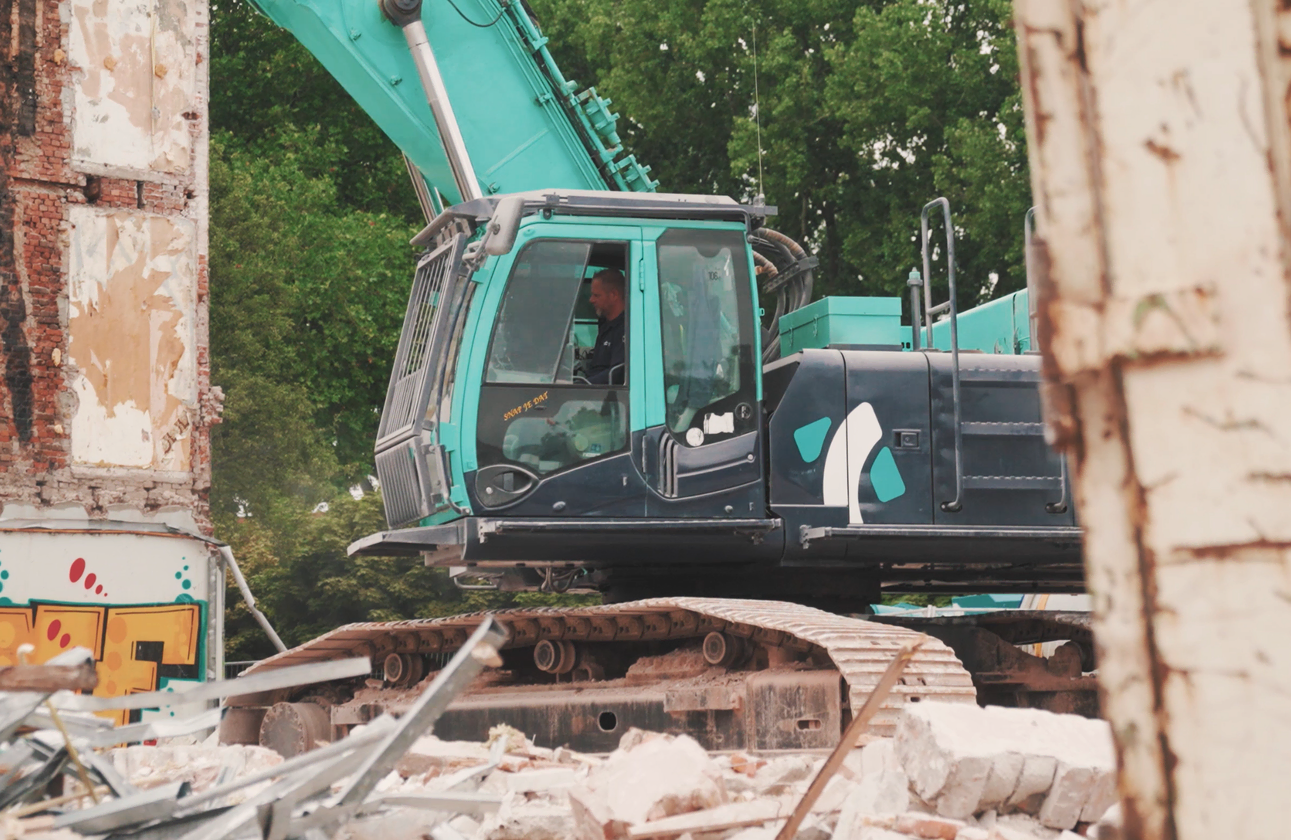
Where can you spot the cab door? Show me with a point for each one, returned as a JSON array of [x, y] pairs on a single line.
[[552, 439], [702, 451]]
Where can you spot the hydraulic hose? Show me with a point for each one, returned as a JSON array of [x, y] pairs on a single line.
[[787, 276]]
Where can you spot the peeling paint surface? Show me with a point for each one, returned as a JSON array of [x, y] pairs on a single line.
[[131, 313], [135, 69], [1161, 167]]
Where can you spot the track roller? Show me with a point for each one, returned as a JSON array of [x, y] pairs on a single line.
[[290, 729], [723, 649], [404, 669], [555, 657]]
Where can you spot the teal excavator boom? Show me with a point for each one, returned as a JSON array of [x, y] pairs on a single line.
[[489, 79]]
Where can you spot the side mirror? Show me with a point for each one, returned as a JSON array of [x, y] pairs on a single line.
[[503, 226]]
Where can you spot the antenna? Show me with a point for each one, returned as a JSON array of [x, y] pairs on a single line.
[[757, 108]]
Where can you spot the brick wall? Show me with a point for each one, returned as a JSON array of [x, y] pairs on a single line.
[[105, 396]]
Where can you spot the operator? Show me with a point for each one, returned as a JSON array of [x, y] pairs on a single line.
[[607, 298]]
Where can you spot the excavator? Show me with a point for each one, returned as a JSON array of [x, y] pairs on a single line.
[[755, 472]]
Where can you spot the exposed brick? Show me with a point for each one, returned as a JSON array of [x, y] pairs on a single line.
[[38, 181]]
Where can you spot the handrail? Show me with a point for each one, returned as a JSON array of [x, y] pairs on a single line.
[[1033, 324], [1028, 228], [916, 327], [957, 503]]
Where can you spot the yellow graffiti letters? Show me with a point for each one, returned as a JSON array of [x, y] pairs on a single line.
[[130, 644]]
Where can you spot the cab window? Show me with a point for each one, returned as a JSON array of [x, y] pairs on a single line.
[[540, 409], [706, 311], [530, 339]]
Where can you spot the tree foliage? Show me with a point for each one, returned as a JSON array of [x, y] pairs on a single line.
[[867, 111], [307, 295], [264, 82]]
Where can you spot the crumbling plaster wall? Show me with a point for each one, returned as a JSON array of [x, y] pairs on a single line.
[[105, 396], [1160, 145]]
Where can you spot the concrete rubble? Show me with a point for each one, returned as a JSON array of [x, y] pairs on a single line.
[[952, 772]]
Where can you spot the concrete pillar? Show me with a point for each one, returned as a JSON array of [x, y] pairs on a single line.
[[1161, 163]]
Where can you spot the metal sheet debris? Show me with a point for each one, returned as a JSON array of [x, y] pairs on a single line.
[[145, 806], [391, 779], [310, 795], [320, 672]]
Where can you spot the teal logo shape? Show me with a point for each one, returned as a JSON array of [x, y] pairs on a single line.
[[885, 477], [811, 438]]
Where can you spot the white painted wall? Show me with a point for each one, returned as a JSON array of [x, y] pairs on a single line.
[[109, 587], [132, 338], [135, 72]]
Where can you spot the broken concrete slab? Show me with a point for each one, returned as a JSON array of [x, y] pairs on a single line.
[[837, 791], [525, 820], [965, 759], [874, 832], [928, 827], [1021, 827], [199, 765], [884, 786], [654, 778], [781, 772], [540, 780]]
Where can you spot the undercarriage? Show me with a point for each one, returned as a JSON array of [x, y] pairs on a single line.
[[733, 674]]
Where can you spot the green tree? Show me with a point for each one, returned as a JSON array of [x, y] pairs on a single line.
[[263, 81], [307, 296], [867, 111], [928, 97]]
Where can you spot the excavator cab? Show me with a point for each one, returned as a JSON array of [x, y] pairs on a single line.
[[493, 422]]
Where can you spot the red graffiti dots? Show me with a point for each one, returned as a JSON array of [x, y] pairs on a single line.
[[63, 642], [54, 627], [91, 580]]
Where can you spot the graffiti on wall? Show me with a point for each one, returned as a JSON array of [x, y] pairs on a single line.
[[138, 645], [134, 646]]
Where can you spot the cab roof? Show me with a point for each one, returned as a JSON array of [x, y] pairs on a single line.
[[603, 203]]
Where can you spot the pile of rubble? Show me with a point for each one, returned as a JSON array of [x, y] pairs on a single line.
[[952, 772]]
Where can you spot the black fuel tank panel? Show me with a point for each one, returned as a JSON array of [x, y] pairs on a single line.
[[880, 471], [867, 438]]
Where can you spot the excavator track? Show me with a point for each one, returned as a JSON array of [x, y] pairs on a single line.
[[800, 650]]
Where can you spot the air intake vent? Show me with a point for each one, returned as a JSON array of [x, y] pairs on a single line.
[[406, 497]]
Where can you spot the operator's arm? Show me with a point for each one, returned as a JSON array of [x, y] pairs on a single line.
[[608, 354]]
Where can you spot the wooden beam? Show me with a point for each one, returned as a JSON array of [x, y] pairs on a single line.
[[49, 678]]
